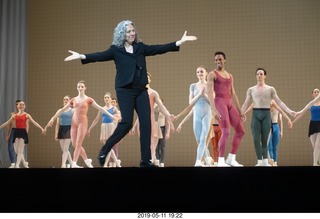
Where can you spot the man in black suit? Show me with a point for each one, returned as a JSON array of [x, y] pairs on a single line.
[[129, 55]]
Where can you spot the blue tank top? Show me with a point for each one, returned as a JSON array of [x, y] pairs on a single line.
[[106, 118], [315, 113], [65, 117]]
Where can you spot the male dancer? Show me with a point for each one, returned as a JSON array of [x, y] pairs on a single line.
[[222, 97]]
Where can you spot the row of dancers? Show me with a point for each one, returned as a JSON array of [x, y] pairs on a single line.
[[213, 95], [205, 125]]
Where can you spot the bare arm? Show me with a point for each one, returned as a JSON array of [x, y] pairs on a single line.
[[101, 109], [282, 104], [58, 113], [184, 120], [94, 123], [193, 99], [273, 103], [236, 102], [185, 111], [56, 130], [249, 109], [280, 124], [8, 129], [7, 122], [35, 123], [211, 95], [167, 128], [135, 126], [245, 106]]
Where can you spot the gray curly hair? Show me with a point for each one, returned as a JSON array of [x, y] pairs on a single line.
[[119, 34]]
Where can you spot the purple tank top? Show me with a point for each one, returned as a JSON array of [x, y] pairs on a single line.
[[222, 86]]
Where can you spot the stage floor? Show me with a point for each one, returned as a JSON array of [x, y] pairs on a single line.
[[169, 189]]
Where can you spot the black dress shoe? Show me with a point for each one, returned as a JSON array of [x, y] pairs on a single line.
[[102, 159], [147, 164]]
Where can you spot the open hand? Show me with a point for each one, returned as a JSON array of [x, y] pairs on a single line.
[[74, 56]]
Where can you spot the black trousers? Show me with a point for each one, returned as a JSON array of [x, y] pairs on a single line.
[[130, 99]]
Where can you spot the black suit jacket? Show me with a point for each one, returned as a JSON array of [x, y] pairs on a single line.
[[127, 64]]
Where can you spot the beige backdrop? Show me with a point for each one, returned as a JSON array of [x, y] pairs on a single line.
[[280, 35]]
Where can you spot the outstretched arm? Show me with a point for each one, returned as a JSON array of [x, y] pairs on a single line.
[[184, 120], [283, 113], [50, 123], [7, 122], [35, 123], [282, 104], [185, 38], [74, 55], [249, 109], [305, 109], [101, 109], [185, 111]]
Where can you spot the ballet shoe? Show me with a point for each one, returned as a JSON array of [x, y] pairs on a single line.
[[25, 164], [88, 163]]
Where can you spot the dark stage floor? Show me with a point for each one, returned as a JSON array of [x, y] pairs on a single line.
[[170, 189]]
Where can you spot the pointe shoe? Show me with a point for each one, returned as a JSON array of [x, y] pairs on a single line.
[[271, 162], [88, 163], [74, 165], [25, 164], [68, 165], [64, 166], [208, 161], [161, 164], [199, 164], [117, 163]]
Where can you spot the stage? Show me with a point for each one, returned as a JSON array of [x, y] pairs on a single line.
[[169, 189]]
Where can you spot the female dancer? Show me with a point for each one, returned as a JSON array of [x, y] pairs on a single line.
[[9, 137], [62, 132], [165, 128], [314, 125], [107, 128], [155, 130], [276, 132], [20, 138], [79, 122], [201, 114]]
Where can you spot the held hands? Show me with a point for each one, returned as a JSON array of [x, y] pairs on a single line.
[[74, 56], [43, 131], [243, 117], [295, 114]]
